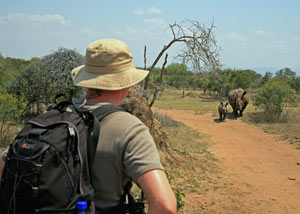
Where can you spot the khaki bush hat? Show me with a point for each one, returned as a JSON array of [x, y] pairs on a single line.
[[108, 66]]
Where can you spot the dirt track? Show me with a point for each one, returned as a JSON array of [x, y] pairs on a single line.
[[261, 173]]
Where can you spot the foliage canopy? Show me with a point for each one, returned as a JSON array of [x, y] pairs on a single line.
[[275, 96], [45, 78]]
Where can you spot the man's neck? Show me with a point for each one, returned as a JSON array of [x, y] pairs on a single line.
[[112, 100], [113, 97]]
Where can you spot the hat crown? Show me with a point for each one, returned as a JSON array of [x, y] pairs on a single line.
[[108, 66], [108, 53]]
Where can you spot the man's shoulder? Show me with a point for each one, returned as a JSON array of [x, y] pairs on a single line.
[[124, 117]]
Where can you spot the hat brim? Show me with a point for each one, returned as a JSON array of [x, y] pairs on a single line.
[[108, 81]]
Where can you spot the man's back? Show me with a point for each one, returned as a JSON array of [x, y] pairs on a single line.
[[125, 151]]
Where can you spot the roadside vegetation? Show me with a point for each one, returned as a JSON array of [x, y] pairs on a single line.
[[286, 126], [194, 166], [28, 86]]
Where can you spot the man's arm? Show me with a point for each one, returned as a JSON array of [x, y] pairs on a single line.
[[158, 192]]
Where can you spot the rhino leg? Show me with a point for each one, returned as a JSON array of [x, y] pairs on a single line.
[[220, 113], [235, 111], [241, 111]]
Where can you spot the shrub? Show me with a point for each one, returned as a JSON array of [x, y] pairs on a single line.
[[179, 194], [45, 78], [11, 110], [274, 97]]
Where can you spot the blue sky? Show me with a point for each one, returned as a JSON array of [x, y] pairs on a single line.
[[260, 34]]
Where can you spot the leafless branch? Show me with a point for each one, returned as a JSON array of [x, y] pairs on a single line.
[[201, 49], [145, 58], [160, 81]]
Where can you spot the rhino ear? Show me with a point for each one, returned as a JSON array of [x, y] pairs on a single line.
[[245, 92], [221, 103], [226, 104]]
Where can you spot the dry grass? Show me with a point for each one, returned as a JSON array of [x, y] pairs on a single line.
[[7, 134], [287, 127], [198, 102], [194, 165], [196, 170]]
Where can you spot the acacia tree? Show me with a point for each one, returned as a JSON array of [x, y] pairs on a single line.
[[200, 48], [45, 78]]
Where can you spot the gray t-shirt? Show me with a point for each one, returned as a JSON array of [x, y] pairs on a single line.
[[125, 151]]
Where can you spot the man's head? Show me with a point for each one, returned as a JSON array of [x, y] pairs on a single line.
[[108, 66]]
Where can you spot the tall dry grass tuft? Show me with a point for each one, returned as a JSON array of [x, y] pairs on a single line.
[[286, 126], [7, 134]]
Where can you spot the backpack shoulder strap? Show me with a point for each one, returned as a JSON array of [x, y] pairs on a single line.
[[99, 114], [105, 110]]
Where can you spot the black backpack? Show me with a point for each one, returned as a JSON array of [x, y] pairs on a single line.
[[47, 168]]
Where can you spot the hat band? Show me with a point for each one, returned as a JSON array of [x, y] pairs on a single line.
[[109, 69]]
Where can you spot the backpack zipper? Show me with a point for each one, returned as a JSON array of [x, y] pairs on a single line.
[[77, 133]]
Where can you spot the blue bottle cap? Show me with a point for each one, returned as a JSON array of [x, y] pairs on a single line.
[[81, 205]]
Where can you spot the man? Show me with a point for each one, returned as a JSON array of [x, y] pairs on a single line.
[[126, 150]]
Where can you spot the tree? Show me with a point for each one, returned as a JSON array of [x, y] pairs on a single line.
[[200, 48], [10, 68], [285, 74], [45, 78], [274, 97], [267, 77], [178, 76], [222, 81], [11, 110], [288, 75], [295, 83]]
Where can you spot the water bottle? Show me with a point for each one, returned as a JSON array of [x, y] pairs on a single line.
[[82, 207]]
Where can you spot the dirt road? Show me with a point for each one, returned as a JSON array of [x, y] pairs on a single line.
[[261, 174]]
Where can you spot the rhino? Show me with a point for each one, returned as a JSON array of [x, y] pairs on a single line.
[[238, 99], [222, 110]]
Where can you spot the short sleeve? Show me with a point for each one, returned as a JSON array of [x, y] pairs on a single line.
[[140, 152]]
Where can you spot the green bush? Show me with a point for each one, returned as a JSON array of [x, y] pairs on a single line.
[[45, 78], [179, 194], [11, 110], [274, 97]]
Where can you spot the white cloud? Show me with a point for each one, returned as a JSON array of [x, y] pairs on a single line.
[[151, 10], [278, 45], [296, 39], [138, 11], [154, 21], [259, 32], [236, 37], [20, 18], [54, 18]]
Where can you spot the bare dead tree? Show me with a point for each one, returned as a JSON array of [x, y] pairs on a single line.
[[160, 82], [145, 58], [200, 49]]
